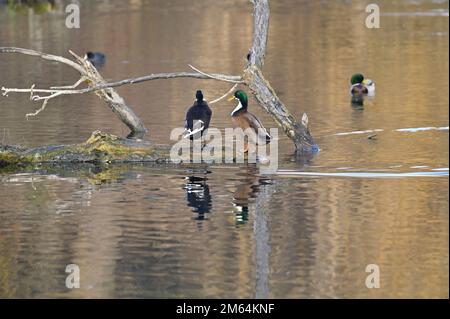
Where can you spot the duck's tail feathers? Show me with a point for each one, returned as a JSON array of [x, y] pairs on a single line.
[[198, 128], [264, 138]]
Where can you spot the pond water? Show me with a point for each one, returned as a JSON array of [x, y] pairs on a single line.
[[220, 231]]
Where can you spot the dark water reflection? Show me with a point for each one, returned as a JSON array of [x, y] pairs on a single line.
[[198, 197], [227, 231]]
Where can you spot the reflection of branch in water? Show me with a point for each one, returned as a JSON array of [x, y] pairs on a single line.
[[261, 233], [197, 195]]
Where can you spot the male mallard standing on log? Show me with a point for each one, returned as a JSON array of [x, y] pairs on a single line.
[[244, 119]]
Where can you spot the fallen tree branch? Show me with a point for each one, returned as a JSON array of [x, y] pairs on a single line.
[[39, 110], [45, 56], [218, 77], [75, 85], [103, 89], [88, 71], [263, 91], [225, 95], [68, 90]]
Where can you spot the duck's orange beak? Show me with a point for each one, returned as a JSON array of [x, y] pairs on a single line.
[[231, 98]]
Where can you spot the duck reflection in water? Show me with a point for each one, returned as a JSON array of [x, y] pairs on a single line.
[[198, 197], [245, 192], [357, 101]]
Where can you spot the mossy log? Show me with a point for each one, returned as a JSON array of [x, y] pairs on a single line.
[[105, 148], [99, 148]]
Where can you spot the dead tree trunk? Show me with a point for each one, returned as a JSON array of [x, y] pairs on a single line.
[[263, 91]]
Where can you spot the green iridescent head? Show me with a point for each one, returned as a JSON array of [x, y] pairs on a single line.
[[242, 97], [357, 78]]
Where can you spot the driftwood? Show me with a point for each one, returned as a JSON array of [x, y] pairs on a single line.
[[252, 77]]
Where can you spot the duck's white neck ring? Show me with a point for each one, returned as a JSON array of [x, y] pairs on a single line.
[[237, 108]]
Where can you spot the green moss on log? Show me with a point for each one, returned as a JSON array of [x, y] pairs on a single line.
[[99, 148]]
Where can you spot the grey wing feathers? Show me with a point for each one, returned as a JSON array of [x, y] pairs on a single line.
[[259, 128]]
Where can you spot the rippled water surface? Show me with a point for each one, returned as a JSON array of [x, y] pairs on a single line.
[[308, 231]]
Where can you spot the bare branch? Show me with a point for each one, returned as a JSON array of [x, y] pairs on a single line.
[[6, 91], [86, 69], [31, 93], [38, 111], [218, 77], [67, 90], [225, 95], [164, 76], [44, 56], [73, 86]]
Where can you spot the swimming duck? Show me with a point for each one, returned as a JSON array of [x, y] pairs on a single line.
[[244, 119], [361, 86], [97, 59], [200, 112]]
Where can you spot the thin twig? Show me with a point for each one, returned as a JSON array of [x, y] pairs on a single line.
[[215, 76], [31, 92], [71, 87], [38, 111], [12, 90], [39, 98], [225, 95]]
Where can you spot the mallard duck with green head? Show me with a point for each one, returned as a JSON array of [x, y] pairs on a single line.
[[361, 86], [243, 119]]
